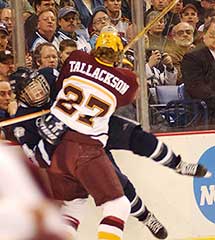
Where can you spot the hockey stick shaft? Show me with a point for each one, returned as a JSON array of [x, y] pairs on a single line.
[[150, 24], [23, 118]]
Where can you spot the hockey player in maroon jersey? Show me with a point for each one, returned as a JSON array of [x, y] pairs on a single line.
[[92, 89], [28, 137]]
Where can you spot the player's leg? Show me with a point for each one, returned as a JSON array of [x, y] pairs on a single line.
[[126, 134], [72, 206], [103, 184], [73, 212], [86, 161], [138, 208]]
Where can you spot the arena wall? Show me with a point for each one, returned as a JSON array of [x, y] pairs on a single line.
[[186, 206]]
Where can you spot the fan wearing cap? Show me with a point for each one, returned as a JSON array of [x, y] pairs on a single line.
[[4, 34], [68, 21], [99, 20], [189, 14]]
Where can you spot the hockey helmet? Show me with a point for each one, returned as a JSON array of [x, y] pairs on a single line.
[[109, 38], [30, 87]]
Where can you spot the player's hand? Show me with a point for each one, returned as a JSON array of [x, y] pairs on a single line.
[[51, 129]]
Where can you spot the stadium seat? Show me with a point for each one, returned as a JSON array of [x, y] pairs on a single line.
[[175, 111]]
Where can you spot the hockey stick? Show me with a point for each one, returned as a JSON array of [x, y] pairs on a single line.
[[23, 118], [150, 24]]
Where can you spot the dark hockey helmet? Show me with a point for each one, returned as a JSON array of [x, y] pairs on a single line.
[[30, 87]]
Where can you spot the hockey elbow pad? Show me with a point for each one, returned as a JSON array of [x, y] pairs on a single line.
[[51, 129]]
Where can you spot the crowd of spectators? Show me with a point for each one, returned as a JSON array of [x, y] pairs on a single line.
[[54, 28]]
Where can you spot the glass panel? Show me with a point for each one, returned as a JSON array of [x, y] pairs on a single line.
[[175, 102]]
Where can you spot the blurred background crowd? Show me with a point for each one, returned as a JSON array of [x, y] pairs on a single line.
[[179, 52]]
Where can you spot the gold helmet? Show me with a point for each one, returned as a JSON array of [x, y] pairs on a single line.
[[109, 38]]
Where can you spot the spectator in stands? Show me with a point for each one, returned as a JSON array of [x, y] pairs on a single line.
[[205, 5], [176, 12], [6, 64], [189, 14], [46, 30], [68, 23], [159, 69], [6, 17], [155, 34], [209, 13], [99, 19], [208, 4], [5, 97], [28, 10], [30, 25], [66, 3], [4, 34], [159, 5], [8, 105], [182, 42], [67, 46], [85, 9], [121, 23], [45, 55], [173, 17], [198, 71]]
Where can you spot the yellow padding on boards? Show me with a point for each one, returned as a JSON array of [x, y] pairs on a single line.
[[108, 236], [201, 238]]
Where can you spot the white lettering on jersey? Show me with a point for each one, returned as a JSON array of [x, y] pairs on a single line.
[[101, 75]]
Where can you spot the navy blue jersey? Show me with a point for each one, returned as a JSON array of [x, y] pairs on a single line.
[[26, 131]]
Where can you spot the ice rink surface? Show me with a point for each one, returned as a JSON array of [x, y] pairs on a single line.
[[168, 195]]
